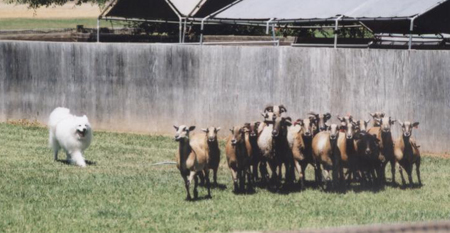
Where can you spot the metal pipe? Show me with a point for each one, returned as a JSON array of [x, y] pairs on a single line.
[[98, 30], [180, 30], [184, 29], [267, 25], [335, 31], [411, 28]]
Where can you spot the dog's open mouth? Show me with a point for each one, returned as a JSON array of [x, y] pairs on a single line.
[[81, 133]]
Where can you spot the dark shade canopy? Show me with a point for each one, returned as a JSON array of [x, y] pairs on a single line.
[[161, 10]]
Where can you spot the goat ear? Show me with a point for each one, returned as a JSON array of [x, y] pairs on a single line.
[[400, 123], [340, 118], [176, 127], [205, 130], [392, 121], [367, 121], [247, 125], [288, 119], [257, 123], [268, 109], [263, 114], [415, 125], [327, 124], [382, 114], [299, 122], [231, 130], [217, 129], [282, 108], [372, 114], [354, 123], [191, 128], [327, 115]]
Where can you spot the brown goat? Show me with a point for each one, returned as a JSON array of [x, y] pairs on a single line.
[[308, 128], [346, 146], [407, 152], [212, 147], [320, 120], [376, 118], [251, 143], [238, 159], [386, 145], [327, 154], [191, 158]]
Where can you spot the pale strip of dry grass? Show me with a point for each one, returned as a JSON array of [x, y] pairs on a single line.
[[67, 11]]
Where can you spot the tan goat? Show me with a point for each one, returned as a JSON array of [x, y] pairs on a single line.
[[191, 158], [376, 118], [327, 154], [212, 148], [407, 152], [238, 159], [384, 135]]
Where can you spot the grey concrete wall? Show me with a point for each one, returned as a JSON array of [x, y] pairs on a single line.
[[148, 88]]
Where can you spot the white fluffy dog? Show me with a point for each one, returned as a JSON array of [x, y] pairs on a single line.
[[71, 133]]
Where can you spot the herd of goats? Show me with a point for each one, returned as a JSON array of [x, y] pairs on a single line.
[[329, 148]]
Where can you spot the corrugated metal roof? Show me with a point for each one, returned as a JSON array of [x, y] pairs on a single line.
[[324, 9]]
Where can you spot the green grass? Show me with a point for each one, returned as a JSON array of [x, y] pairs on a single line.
[[124, 193], [25, 23]]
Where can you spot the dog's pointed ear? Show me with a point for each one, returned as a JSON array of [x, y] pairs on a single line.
[[85, 117], [176, 127], [191, 128]]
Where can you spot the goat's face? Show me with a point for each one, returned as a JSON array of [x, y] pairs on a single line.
[[307, 125], [376, 117], [367, 144], [182, 132], [269, 117], [211, 133], [334, 131], [385, 124], [348, 125], [280, 126], [253, 129], [237, 134], [276, 109], [321, 120], [407, 127], [361, 125]]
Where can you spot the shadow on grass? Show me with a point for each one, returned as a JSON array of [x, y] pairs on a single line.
[[65, 161]]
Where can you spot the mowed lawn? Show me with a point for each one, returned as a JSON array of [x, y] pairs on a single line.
[[123, 192], [27, 24]]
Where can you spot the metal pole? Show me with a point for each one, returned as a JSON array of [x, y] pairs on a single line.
[[411, 28], [273, 35], [335, 31], [184, 29], [180, 29], [98, 29], [267, 25], [202, 26]]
